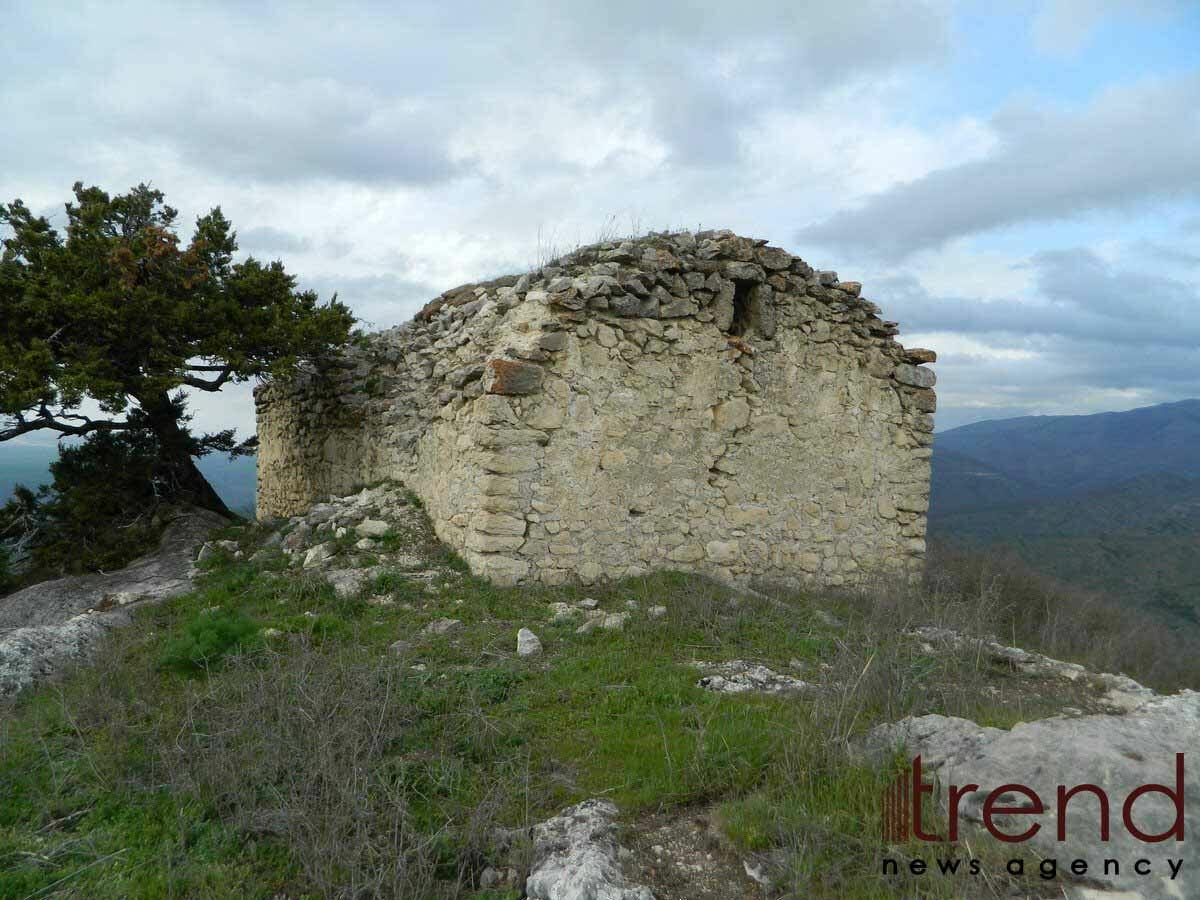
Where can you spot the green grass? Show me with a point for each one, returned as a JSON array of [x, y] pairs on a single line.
[[152, 774], [207, 637]]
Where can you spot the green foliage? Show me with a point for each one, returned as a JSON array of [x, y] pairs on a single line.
[[102, 508], [120, 311], [208, 637], [8, 578]]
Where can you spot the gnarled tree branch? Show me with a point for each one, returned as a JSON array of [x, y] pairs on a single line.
[[214, 385], [47, 421]]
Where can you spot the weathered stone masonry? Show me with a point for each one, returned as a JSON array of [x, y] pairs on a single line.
[[695, 401]]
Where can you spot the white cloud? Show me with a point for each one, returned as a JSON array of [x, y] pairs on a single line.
[[388, 157], [1130, 146]]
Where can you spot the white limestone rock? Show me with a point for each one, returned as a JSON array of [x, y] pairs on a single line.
[[372, 528], [348, 582], [576, 857], [318, 555], [29, 654], [614, 621], [562, 612], [442, 627], [528, 643], [54, 622], [738, 677], [1121, 693]]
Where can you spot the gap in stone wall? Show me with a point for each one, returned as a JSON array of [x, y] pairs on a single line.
[[740, 325]]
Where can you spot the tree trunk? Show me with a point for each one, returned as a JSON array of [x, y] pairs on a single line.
[[175, 446]]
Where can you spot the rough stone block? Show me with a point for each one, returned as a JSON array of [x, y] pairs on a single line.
[[915, 376], [748, 515], [498, 523], [731, 415], [509, 377], [723, 552]]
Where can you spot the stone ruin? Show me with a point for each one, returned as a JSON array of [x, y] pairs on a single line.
[[696, 401]]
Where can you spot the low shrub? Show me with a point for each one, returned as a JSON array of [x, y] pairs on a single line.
[[1029, 610], [208, 637]]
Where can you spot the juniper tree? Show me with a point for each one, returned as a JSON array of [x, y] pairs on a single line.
[[118, 312]]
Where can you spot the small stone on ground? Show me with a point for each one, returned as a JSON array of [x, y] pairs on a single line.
[[528, 643]]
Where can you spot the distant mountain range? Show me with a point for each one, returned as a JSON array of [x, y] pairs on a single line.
[[1109, 502]]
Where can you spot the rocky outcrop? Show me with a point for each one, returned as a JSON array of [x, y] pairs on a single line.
[[690, 401], [739, 677], [576, 857], [55, 622], [350, 540]]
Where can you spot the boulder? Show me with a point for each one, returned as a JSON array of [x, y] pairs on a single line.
[[319, 555], [614, 621], [297, 538], [54, 622], [528, 643], [372, 528], [348, 582]]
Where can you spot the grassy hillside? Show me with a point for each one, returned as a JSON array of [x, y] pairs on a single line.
[[264, 737]]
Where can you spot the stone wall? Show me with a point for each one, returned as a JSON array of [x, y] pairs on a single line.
[[696, 401]]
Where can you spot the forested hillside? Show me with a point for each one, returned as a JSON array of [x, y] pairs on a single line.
[[1108, 502]]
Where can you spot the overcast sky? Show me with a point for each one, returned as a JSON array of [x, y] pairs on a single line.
[[1021, 190]]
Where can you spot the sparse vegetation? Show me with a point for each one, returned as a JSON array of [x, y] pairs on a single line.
[[1105, 634], [319, 762], [553, 247]]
